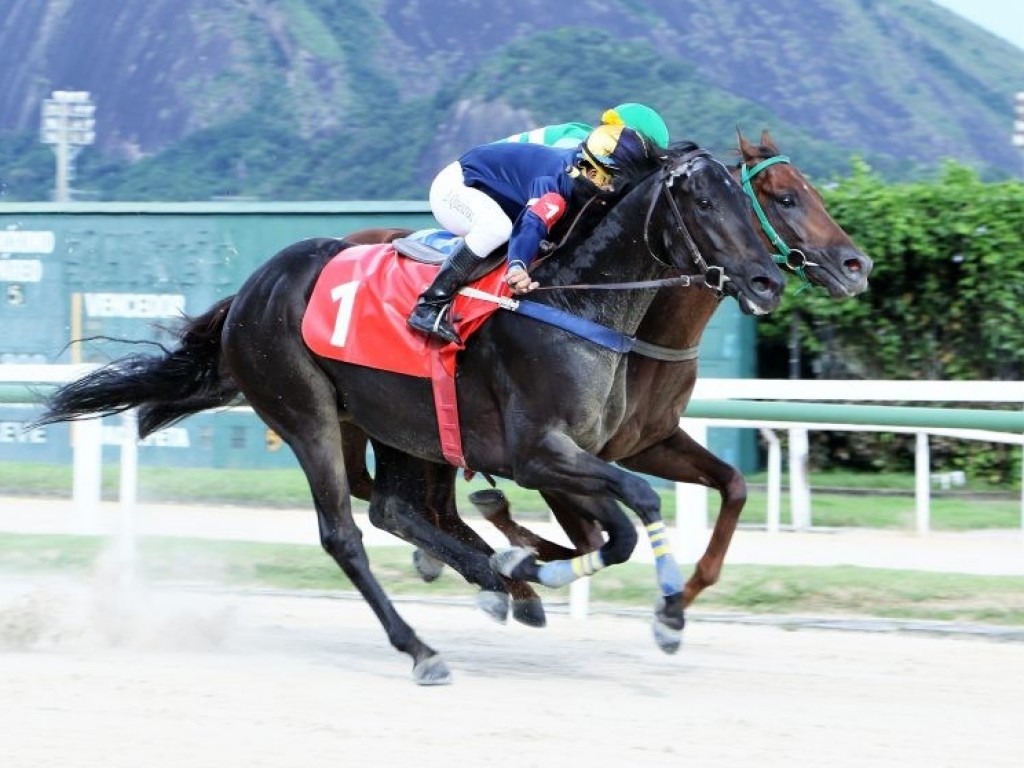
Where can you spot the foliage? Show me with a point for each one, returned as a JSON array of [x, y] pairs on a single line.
[[945, 302], [26, 168]]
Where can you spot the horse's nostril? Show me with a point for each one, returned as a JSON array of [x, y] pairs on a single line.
[[853, 265], [763, 284]]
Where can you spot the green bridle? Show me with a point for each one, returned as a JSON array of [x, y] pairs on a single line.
[[792, 259]]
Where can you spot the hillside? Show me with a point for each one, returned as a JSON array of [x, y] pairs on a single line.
[[364, 99]]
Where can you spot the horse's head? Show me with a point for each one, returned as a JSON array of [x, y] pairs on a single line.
[[698, 220], [794, 220]]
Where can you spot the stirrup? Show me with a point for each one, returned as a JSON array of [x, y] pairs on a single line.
[[440, 328]]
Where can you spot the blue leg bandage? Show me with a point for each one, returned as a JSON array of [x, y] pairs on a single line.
[[558, 573], [670, 578]]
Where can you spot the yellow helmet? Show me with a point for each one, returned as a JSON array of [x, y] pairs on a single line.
[[609, 147]]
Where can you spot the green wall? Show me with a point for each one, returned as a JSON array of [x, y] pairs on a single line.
[[127, 271]]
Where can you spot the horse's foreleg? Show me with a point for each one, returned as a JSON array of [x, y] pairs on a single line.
[[556, 465], [594, 486], [681, 459], [527, 607], [523, 563], [415, 500], [493, 505]]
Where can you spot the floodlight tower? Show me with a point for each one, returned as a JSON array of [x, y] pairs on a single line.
[[68, 123]]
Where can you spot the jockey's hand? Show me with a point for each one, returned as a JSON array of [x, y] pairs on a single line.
[[518, 280]]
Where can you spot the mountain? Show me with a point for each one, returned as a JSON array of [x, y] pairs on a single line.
[[364, 99]]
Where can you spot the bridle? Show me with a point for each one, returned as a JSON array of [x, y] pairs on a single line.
[[792, 259], [714, 276]]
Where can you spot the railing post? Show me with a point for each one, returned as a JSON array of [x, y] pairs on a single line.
[[799, 483], [773, 488], [128, 495], [86, 473], [922, 483], [692, 505], [579, 598]]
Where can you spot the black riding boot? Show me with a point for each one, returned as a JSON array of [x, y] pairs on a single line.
[[430, 315]]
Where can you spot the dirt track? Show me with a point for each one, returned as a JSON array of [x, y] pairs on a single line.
[[190, 679]]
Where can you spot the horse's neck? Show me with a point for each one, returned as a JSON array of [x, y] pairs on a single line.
[[677, 317], [615, 252]]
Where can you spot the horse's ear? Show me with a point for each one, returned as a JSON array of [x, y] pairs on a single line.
[[767, 143], [747, 150]]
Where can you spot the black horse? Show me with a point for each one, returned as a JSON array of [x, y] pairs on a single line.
[[534, 400]]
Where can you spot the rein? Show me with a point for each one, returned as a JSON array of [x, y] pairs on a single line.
[[792, 259], [665, 282]]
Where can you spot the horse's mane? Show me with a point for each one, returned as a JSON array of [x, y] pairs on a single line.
[[594, 206], [635, 170]]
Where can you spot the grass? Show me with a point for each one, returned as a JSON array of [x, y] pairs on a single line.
[[964, 509], [819, 591]]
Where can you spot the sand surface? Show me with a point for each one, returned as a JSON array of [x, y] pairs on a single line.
[[104, 675]]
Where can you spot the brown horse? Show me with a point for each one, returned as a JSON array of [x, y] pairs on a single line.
[[793, 219]]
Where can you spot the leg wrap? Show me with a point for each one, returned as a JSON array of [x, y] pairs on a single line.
[[670, 578], [562, 572]]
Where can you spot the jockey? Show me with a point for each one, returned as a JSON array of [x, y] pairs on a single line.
[[481, 194], [639, 117]]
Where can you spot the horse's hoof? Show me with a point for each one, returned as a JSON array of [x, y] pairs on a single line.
[[667, 626], [489, 502], [494, 604], [427, 566], [506, 561], [529, 612], [432, 671], [668, 638]]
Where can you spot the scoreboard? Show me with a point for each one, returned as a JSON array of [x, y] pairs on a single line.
[[83, 282]]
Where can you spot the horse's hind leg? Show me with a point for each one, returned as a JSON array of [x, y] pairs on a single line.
[[308, 421]]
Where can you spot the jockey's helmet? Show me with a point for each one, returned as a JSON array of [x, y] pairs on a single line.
[[609, 147], [640, 118]]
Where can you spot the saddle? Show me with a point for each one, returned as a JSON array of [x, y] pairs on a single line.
[[427, 246]]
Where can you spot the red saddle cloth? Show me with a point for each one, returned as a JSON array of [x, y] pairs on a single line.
[[357, 314], [360, 303]]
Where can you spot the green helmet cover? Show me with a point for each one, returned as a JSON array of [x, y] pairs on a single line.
[[640, 118]]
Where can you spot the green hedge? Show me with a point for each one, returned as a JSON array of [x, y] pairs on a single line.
[[946, 301]]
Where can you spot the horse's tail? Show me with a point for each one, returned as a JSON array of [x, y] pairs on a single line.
[[165, 388]]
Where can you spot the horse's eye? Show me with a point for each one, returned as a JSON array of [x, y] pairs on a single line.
[[704, 203], [787, 201]]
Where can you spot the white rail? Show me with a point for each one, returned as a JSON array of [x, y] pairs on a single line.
[[691, 501]]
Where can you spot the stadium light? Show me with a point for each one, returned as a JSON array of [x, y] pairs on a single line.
[[68, 123]]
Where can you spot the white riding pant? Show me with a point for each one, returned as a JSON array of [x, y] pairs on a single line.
[[468, 212]]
